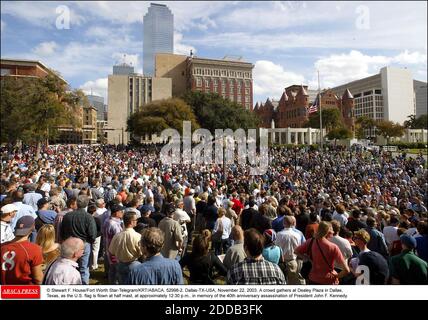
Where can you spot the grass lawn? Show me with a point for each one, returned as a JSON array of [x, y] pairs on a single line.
[[417, 151]]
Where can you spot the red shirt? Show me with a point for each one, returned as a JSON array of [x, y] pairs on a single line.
[[310, 230], [17, 259], [322, 269], [237, 206]]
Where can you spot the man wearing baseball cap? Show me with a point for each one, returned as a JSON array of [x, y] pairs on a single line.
[[7, 213], [21, 260], [407, 268]]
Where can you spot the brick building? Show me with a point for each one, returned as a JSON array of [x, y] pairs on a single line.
[[291, 111], [230, 78]]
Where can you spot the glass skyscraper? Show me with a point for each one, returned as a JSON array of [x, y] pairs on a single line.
[[158, 25]]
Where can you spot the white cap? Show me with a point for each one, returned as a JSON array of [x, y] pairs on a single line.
[[9, 208]]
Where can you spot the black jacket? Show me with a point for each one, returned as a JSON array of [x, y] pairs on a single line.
[[79, 224]]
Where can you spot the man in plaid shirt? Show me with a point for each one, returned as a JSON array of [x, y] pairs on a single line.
[[254, 270]]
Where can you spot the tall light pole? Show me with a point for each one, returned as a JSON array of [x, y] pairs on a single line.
[[319, 102]]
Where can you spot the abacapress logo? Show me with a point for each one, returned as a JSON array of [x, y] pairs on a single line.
[[20, 292]]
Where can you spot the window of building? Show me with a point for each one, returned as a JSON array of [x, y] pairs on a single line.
[[378, 91], [207, 83], [5, 72], [224, 73], [215, 81], [239, 74], [367, 93], [198, 82], [247, 83], [247, 106], [238, 98], [215, 88]]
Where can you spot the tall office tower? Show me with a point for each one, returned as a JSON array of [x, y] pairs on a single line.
[[158, 25]]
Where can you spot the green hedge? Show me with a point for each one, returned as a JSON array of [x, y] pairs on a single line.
[[413, 145]]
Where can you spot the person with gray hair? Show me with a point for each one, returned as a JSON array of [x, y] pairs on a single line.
[[63, 270], [80, 224]]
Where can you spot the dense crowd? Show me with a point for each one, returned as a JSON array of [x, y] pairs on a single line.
[[331, 217]]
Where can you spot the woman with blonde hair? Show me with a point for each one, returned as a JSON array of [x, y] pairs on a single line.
[[323, 254], [46, 239]]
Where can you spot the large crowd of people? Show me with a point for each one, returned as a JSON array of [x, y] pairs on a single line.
[[331, 217]]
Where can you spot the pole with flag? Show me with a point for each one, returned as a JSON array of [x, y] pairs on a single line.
[[319, 101]]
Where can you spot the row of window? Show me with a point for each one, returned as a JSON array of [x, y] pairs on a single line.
[[239, 83], [221, 73]]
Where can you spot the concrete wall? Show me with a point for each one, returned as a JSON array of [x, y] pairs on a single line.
[[175, 67], [118, 101], [161, 88], [397, 89], [421, 97]]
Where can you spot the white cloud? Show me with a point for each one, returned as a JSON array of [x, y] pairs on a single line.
[[97, 87], [131, 59], [181, 48], [411, 58], [270, 79], [40, 13], [45, 48], [3, 25], [338, 69]]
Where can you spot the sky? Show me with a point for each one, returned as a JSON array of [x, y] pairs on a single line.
[[286, 41]]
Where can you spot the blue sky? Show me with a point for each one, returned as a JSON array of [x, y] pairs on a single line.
[[286, 40]]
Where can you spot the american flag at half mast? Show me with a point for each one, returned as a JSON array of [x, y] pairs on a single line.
[[314, 107]]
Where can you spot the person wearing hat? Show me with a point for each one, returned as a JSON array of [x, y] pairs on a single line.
[[112, 226], [407, 267], [44, 215], [172, 231], [7, 213], [145, 218], [20, 259]]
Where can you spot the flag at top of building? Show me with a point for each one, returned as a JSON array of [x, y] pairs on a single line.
[[314, 107]]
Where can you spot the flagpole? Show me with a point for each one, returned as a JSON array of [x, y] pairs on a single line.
[[319, 102]]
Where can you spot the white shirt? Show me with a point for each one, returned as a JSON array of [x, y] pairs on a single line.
[[342, 218], [288, 240], [344, 247], [182, 218], [227, 227], [6, 232], [63, 271], [391, 235]]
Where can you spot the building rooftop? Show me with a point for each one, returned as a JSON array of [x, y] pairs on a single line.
[[30, 63]]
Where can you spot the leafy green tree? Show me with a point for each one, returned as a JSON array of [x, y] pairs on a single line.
[[362, 124], [214, 112], [331, 118], [33, 108], [339, 134], [417, 123], [389, 129], [159, 115]]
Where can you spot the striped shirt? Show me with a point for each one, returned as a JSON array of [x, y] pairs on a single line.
[[255, 272]]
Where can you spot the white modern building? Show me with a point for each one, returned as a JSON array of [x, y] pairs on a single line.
[[158, 37], [388, 95], [128, 94]]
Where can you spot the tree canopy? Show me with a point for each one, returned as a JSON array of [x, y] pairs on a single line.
[[339, 133], [390, 129], [362, 124], [159, 115], [417, 123], [331, 118], [214, 112], [33, 108]]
